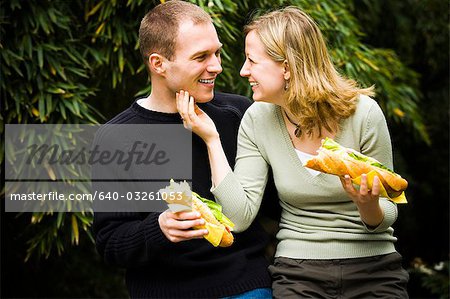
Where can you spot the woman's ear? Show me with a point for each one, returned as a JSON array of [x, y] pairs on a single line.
[[156, 63], [287, 71]]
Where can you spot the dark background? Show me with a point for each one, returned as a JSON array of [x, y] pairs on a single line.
[[418, 32]]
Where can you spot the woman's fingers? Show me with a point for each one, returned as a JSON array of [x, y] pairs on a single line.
[[186, 106], [177, 101], [194, 119], [191, 109], [182, 101], [376, 186], [347, 184], [363, 189], [183, 105], [365, 193]]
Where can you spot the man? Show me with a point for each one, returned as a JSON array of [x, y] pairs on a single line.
[[163, 255]]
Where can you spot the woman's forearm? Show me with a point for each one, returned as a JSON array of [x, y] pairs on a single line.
[[217, 160]]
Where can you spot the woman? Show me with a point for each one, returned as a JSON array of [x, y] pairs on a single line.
[[334, 240]]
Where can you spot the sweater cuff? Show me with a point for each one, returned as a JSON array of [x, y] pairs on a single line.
[[153, 233], [225, 193], [390, 215]]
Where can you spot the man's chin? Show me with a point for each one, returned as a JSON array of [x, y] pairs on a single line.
[[204, 98]]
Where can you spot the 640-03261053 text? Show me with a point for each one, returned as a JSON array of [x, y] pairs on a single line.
[[53, 196]]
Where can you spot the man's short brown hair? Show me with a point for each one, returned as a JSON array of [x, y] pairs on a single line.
[[159, 28]]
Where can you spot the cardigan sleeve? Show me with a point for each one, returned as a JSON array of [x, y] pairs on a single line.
[[240, 192], [376, 143]]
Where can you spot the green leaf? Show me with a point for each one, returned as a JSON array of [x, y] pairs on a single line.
[[60, 219], [75, 231], [41, 108], [28, 45], [121, 60], [40, 57], [62, 109]]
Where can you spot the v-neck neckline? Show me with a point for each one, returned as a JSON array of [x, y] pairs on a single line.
[[291, 150]]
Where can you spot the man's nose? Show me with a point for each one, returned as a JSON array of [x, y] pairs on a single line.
[[215, 65]]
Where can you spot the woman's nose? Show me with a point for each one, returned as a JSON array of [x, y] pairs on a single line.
[[244, 70]]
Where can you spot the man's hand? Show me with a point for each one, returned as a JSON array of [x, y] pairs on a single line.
[[178, 227]]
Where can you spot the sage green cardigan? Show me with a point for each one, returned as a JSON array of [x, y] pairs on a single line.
[[318, 220]]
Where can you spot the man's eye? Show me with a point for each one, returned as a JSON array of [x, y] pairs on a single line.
[[218, 53], [200, 58]]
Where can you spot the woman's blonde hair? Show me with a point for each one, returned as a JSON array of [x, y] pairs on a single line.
[[318, 96]]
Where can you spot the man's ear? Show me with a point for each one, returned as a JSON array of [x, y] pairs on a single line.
[[156, 63], [287, 70]]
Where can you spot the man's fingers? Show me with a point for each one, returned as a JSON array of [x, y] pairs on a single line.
[[178, 235], [184, 220], [182, 230], [178, 227], [191, 215], [186, 224]]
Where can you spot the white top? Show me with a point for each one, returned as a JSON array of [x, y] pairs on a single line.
[[141, 102], [305, 157]]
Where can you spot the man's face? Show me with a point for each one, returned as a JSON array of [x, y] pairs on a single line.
[[196, 62]]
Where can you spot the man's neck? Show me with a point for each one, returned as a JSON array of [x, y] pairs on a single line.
[[160, 102]]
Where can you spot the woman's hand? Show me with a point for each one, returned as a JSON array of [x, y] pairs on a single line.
[[201, 124], [194, 118], [365, 199]]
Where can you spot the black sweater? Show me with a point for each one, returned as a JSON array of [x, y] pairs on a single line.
[[159, 268]]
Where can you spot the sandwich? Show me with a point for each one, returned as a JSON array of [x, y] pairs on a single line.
[[335, 159], [179, 197]]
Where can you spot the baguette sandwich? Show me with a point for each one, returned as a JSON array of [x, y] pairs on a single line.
[[335, 159], [179, 197]]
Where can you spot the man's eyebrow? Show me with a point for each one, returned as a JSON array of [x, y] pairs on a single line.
[[199, 53]]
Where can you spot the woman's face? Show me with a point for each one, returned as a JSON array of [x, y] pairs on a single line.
[[266, 76]]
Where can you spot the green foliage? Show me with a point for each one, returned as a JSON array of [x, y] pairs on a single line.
[[397, 86], [51, 231], [44, 69], [435, 278], [418, 30], [57, 56], [112, 27]]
